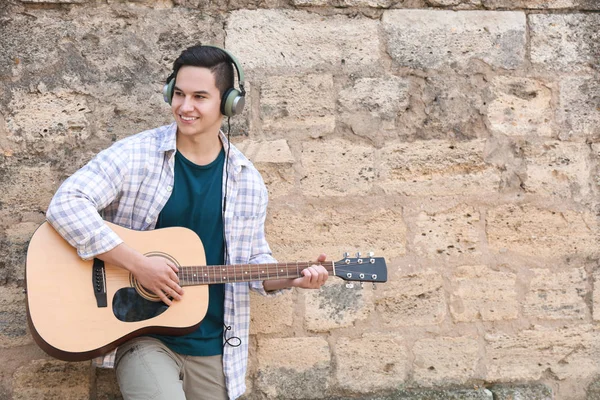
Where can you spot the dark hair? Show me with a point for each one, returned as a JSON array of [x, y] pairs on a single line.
[[216, 60]]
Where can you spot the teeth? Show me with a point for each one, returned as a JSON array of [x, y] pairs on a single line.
[[188, 118]]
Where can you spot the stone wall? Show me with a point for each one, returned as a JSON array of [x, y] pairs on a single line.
[[456, 138]]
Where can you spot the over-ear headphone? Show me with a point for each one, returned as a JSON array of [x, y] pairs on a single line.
[[232, 101]]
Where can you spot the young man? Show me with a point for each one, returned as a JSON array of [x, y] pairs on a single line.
[[184, 174]]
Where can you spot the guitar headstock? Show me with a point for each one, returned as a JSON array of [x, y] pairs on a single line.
[[362, 269]]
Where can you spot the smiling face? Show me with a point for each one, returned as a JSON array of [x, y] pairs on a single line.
[[196, 103]]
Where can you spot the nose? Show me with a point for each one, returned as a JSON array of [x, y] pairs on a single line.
[[186, 104]]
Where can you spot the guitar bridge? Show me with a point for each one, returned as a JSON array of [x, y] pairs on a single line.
[[99, 282]]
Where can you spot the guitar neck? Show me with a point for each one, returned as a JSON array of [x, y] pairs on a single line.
[[210, 274]]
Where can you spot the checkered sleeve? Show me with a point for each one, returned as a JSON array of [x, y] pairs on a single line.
[[74, 209]]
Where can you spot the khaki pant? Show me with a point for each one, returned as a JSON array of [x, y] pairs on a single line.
[[149, 370]]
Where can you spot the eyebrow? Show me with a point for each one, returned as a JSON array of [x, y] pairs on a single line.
[[196, 92]]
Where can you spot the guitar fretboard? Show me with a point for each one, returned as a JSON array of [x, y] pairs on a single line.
[[207, 274]]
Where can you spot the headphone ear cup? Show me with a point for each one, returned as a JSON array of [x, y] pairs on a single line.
[[232, 102], [168, 91]]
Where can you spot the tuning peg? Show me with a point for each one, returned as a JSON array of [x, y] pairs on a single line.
[[358, 254], [362, 285], [371, 254], [346, 254], [374, 286], [349, 285]]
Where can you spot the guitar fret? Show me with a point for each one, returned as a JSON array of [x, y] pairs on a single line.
[[197, 275]]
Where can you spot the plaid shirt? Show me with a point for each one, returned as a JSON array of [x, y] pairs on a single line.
[[129, 184]]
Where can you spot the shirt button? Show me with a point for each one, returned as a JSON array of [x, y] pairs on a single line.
[[148, 220], [169, 188]]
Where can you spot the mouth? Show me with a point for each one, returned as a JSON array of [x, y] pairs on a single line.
[[187, 119]]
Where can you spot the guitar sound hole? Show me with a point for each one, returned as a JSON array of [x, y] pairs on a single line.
[[129, 306]]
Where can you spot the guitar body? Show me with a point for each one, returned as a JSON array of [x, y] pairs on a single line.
[[63, 313]]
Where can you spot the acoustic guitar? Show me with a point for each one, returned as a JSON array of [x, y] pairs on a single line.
[[79, 309]]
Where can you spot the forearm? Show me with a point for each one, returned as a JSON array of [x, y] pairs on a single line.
[[278, 284], [123, 256]]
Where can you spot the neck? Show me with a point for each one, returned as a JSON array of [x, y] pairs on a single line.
[[200, 150], [202, 275]]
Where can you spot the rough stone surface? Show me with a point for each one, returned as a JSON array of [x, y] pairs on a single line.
[[481, 293], [13, 318], [453, 232], [336, 167], [434, 39], [336, 306], [280, 310], [539, 232], [273, 40], [345, 228], [567, 42], [529, 354], [518, 392], [297, 105], [418, 298], [446, 359], [579, 108], [297, 367], [274, 160], [439, 168], [52, 380], [521, 106], [361, 367], [557, 169], [557, 296]]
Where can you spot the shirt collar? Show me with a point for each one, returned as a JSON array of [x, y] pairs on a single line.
[[168, 143]]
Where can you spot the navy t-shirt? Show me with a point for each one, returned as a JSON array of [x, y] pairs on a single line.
[[195, 203]]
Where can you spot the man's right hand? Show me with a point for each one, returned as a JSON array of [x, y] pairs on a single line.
[[156, 274], [159, 276]]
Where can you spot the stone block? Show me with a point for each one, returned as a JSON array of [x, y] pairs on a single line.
[[61, 122], [565, 42], [436, 168], [565, 352], [427, 39], [293, 368], [525, 392], [557, 295], [336, 168], [283, 40], [52, 379], [596, 295], [335, 306], [107, 387], [453, 232], [368, 225], [579, 108], [13, 317], [343, 3], [371, 363], [56, 1], [371, 105], [274, 161], [453, 107], [14, 254], [445, 360], [557, 169], [440, 394], [413, 300], [542, 4], [296, 105], [542, 233], [271, 315], [28, 188], [480, 293], [520, 106]]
